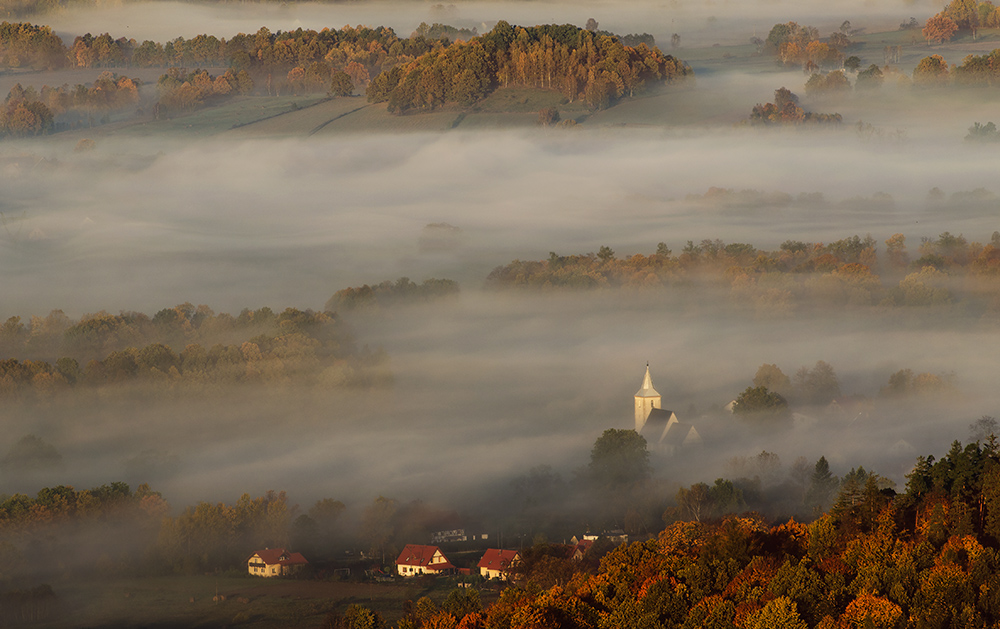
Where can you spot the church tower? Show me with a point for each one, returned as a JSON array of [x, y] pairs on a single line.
[[646, 399]]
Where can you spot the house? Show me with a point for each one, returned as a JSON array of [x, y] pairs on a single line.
[[581, 548], [274, 562], [419, 559], [496, 563], [659, 426]]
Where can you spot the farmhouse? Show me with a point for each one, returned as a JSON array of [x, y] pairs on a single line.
[[273, 562], [660, 427], [419, 559], [496, 563]]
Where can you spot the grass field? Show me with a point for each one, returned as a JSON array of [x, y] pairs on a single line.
[[302, 122], [185, 601], [376, 119]]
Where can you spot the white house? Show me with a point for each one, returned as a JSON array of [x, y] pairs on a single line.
[[274, 562], [496, 563], [419, 559]]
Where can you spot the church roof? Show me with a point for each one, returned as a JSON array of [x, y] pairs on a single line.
[[656, 424], [647, 389], [678, 434]]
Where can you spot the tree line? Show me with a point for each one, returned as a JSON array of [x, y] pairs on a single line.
[[182, 346], [388, 293], [848, 272]]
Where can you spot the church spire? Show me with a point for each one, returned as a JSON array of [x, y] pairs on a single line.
[[647, 389]]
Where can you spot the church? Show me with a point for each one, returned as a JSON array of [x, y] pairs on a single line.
[[661, 428]]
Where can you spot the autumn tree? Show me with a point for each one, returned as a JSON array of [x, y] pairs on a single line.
[[771, 377], [341, 84], [939, 28]]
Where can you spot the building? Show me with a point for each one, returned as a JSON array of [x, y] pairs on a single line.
[[419, 559], [456, 535], [274, 562], [496, 563], [659, 426]]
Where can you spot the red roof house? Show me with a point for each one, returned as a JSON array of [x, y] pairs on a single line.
[[496, 563], [273, 562], [419, 559]]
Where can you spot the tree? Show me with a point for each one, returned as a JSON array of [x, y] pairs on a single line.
[[591, 25], [619, 458], [822, 487], [341, 84], [758, 403], [696, 501], [548, 116], [378, 524], [771, 377], [983, 428], [983, 133], [818, 385], [780, 613], [852, 63], [939, 29]]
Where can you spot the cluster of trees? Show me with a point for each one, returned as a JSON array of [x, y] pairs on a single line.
[[179, 90], [793, 44], [56, 505], [773, 394], [444, 31], [931, 71], [24, 45], [870, 78], [23, 114], [975, 71], [785, 110], [577, 62], [775, 283], [218, 536], [29, 112], [759, 484], [961, 15], [183, 345], [389, 293]]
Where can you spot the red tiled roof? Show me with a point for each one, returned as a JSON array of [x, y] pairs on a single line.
[[271, 556], [496, 559], [420, 555]]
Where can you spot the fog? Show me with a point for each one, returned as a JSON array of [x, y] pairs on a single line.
[[703, 23], [493, 383]]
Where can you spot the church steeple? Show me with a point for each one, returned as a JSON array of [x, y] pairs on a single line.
[[647, 389], [646, 399]]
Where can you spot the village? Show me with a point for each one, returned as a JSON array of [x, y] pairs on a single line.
[[662, 431]]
